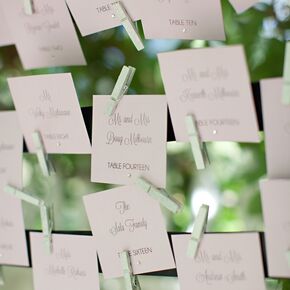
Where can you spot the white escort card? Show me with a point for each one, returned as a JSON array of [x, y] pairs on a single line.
[[46, 38], [72, 265], [182, 19], [213, 85], [49, 104], [94, 16], [275, 201], [224, 262], [5, 34], [13, 248], [276, 118], [128, 219], [130, 143], [242, 5]]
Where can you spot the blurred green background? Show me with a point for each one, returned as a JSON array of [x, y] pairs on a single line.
[[230, 185]]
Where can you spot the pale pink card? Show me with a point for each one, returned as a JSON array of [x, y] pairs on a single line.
[[5, 34], [13, 248], [94, 16], [128, 219], [275, 201], [213, 85], [49, 104], [230, 261], [47, 38], [276, 118], [243, 5], [132, 142], [182, 19], [72, 265]]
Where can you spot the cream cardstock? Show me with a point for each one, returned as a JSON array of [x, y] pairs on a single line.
[[5, 34], [13, 249], [49, 104], [275, 201], [182, 19], [72, 265], [213, 85], [242, 5], [47, 38], [132, 142], [276, 118], [128, 219], [224, 262], [94, 16]]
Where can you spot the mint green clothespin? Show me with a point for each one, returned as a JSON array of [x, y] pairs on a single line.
[[43, 159], [28, 7], [121, 13], [46, 212], [286, 76], [198, 148], [198, 231], [131, 281], [120, 89], [159, 194], [2, 281]]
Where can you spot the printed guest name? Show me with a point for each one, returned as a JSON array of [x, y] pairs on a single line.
[[128, 166], [51, 113], [134, 139], [130, 225], [69, 271], [210, 277], [216, 94]]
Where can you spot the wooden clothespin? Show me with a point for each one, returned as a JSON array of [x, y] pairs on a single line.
[[286, 76], [120, 89], [198, 148], [28, 7], [198, 231], [46, 212], [159, 194], [43, 160], [121, 13], [131, 280], [2, 280]]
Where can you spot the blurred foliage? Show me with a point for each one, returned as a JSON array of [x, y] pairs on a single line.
[[230, 185]]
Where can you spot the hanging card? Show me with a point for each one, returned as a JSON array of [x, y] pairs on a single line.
[[275, 201], [182, 19], [13, 248], [276, 118], [213, 85], [126, 218], [46, 38], [72, 265], [94, 16], [5, 34], [132, 142], [224, 262], [49, 104]]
